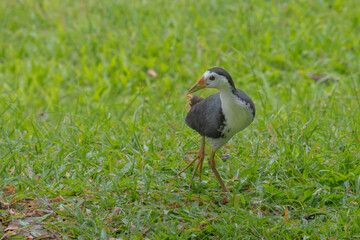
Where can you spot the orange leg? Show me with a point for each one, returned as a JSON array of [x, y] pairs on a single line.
[[201, 159], [200, 156], [213, 168], [200, 169]]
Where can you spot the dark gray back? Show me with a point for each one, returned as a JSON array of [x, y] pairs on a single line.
[[206, 117]]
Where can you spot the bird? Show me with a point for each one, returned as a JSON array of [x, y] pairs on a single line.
[[218, 117]]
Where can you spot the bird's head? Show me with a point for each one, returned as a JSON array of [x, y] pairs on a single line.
[[215, 77]]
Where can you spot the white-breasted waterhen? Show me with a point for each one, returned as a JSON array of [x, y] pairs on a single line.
[[217, 117]]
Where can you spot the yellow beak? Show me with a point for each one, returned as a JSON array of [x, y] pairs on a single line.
[[200, 85]]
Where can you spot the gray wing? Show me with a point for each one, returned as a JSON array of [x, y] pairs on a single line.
[[244, 97], [206, 117]]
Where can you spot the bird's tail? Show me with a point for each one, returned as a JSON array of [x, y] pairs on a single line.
[[192, 100]]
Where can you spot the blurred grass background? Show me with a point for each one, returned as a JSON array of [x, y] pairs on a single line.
[[82, 119]]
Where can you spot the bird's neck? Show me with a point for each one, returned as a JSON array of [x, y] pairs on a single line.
[[227, 94], [228, 100]]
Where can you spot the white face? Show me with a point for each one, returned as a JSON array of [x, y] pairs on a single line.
[[214, 80]]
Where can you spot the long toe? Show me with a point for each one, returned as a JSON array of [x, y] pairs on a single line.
[[188, 166]]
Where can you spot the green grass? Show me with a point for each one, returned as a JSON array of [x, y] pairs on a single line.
[[81, 119]]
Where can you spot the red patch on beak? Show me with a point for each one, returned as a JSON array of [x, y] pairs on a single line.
[[201, 82]]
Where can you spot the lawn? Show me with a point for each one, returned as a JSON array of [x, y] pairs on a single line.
[[92, 108]]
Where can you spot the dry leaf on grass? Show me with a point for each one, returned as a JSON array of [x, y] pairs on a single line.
[[57, 199], [233, 178], [9, 190], [225, 200], [151, 72], [28, 227], [286, 217]]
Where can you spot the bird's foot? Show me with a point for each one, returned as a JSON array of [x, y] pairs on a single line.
[[200, 157], [192, 161], [189, 159]]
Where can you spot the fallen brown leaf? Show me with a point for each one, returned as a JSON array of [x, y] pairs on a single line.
[[249, 189], [225, 200], [151, 72], [4, 205], [233, 178], [9, 190], [27, 227], [58, 199]]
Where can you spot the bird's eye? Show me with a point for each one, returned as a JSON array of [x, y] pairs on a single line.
[[212, 77]]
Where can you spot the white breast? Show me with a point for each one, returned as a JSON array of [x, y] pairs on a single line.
[[237, 113], [237, 117]]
